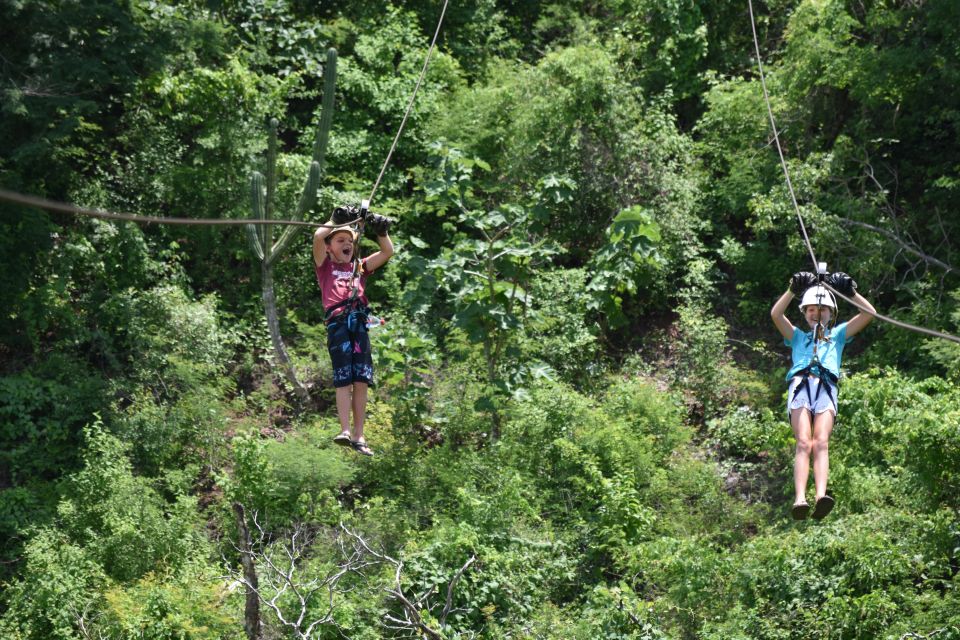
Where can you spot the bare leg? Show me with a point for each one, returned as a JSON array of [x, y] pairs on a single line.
[[800, 420], [359, 409], [343, 408], [822, 428]]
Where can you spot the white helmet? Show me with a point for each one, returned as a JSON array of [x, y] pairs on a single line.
[[818, 295]]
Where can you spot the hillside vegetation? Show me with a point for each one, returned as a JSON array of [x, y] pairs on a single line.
[[579, 419]]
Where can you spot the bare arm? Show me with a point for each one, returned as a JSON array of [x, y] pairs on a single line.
[[378, 259], [319, 246], [859, 322], [779, 315]]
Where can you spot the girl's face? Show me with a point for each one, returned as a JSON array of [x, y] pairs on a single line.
[[341, 247], [812, 313]]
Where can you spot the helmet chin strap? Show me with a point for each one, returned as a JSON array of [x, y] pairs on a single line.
[[820, 329]]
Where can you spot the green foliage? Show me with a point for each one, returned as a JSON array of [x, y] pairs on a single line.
[[405, 357], [947, 354], [623, 263], [512, 573], [701, 352], [604, 187], [58, 580], [293, 480], [174, 336], [111, 526], [122, 520], [194, 606], [906, 429], [485, 275], [558, 332], [614, 613], [575, 115], [649, 414], [376, 78], [746, 433], [262, 195], [42, 411], [193, 131]]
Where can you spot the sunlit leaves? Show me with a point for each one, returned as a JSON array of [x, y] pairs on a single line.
[[624, 262]]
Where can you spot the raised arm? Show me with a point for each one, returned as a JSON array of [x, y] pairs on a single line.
[[799, 282], [378, 259], [779, 315], [380, 225], [319, 246], [848, 287], [859, 322]]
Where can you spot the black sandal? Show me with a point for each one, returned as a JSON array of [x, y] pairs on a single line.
[[823, 507], [361, 448], [800, 511], [343, 439]]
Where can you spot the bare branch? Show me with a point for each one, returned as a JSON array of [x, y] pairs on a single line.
[[413, 607], [904, 245], [450, 588], [910, 635]]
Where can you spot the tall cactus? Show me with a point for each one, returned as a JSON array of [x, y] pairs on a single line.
[[262, 192]]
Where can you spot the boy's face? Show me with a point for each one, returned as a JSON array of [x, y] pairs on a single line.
[[813, 313], [341, 247]]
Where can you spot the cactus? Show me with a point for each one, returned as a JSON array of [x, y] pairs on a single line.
[[262, 190]]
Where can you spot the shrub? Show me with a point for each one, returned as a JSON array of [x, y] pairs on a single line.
[[558, 332], [195, 606], [120, 519], [42, 412], [749, 434], [58, 579]]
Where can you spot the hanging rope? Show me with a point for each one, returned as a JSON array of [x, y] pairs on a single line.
[[796, 207], [423, 72]]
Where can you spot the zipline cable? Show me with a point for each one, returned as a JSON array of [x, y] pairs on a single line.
[[423, 72], [796, 207], [776, 137], [50, 205], [62, 207], [899, 323]]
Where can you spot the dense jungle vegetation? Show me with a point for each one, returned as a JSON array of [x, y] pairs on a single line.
[[578, 423]]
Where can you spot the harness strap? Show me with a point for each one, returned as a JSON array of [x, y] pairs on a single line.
[[343, 308], [353, 300], [814, 369]]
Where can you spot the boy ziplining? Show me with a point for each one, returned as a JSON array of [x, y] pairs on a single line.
[[342, 277]]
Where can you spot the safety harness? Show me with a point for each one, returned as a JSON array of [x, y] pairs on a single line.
[[356, 312], [815, 369]]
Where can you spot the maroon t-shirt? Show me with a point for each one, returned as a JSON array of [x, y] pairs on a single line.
[[336, 281]]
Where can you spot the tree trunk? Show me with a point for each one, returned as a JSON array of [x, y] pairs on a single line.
[[251, 611], [273, 322]]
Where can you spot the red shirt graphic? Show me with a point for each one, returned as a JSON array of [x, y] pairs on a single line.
[[336, 281]]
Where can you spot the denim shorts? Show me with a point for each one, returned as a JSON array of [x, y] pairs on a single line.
[[349, 347], [818, 396]]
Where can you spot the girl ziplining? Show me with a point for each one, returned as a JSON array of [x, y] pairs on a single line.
[[812, 394]]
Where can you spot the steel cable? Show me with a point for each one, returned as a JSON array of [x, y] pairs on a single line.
[[793, 198]]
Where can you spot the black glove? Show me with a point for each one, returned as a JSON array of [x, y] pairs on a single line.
[[378, 224], [343, 215], [801, 281], [842, 283]]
